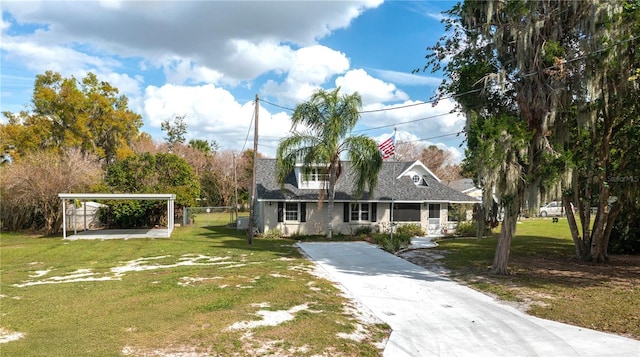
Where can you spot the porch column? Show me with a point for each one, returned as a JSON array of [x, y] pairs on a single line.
[[64, 219]]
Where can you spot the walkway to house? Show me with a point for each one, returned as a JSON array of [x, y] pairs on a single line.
[[433, 316]]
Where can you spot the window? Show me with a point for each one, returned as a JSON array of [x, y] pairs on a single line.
[[291, 212], [434, 210], [406, 212], [317, 175], [416, 179], [454, 212], [359, 212]]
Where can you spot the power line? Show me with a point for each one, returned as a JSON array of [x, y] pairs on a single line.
[[402, 122], [393, 108], [453, 96], [276, 105], [400, 142], [585, 56], [390, 108], [435, 137], [253, 115]]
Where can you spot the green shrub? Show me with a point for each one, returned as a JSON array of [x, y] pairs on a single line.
[[298, 236], [412, 230], [362, 231], [466, 229], [392, 245], [272, 234]]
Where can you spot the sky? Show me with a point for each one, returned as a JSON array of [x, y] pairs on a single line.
[[207, 60]]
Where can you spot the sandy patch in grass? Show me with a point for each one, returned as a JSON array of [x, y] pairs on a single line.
[[39, 273], [269, 318], [164, 352], [185, 280], [8, 336], [252, 346], [116, 273]]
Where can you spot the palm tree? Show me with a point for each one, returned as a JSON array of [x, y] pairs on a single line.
[[326, 121]]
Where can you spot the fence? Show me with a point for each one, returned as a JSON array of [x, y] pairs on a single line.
[[206, 216]]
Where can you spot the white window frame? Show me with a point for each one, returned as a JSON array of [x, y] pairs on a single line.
[[314, 180], [317, 176], [357, 209], [288, 209]]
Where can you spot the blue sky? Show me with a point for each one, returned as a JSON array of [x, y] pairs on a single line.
[[208, 59]]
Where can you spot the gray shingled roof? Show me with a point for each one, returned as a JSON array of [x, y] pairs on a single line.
[[403, 190], [462, 184]]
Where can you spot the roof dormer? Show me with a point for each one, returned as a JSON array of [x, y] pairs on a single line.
[[419, 174], [315, 178]]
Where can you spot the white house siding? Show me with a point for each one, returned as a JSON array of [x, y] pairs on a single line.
[[316, 218]]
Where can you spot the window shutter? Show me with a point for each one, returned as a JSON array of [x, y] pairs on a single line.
[[346, 213], [374, 211], [303, 211], [280, 212]]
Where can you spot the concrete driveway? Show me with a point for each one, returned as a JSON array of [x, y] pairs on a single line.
[[433, 316]]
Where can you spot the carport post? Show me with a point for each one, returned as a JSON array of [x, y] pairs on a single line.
[[64, 219]]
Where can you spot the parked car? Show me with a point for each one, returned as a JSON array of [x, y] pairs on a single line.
[[553, 208]]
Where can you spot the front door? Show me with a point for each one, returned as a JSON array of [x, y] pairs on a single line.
[[434, 219]]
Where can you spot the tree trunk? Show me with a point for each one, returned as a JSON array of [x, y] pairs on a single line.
[[332, 190], [581, 249], [481, 217], [503, 249], [613, 214]]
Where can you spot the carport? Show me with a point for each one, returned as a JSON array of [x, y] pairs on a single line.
[[119, 233]]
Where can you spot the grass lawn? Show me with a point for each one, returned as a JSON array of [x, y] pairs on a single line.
[[203, 292], [549, 281]]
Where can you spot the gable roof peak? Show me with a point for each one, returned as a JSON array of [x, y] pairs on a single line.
[[418, 164]]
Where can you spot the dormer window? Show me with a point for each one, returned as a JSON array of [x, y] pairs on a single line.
[[312, 178], [419, 180], [318, 175]]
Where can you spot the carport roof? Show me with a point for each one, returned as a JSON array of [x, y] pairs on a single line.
[[117, 196]]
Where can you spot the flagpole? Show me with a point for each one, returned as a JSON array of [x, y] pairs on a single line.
[[393, 187]]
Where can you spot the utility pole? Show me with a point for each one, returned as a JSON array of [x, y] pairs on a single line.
[[253, 179], [235, 185]]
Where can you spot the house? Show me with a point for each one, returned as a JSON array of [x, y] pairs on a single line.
[[467, 187], [417, 195]]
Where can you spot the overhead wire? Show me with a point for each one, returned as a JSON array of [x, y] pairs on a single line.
[[453, 96], [253, 118]]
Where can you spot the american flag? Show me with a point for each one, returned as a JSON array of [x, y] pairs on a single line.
[[387, 148]]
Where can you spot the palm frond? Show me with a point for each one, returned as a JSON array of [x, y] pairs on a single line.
[[366, 161]]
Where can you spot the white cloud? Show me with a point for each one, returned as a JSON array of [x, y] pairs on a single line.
[[310, 68], [40, 58], [240, 39], [213, 114], [416, 116], [419, 123], [183, 71], [371, 89], [409, 79], [189, 57]]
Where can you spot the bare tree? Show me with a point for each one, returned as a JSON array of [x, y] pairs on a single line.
[[441, 162], [29, 188]]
